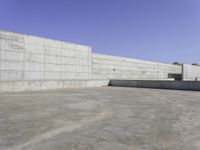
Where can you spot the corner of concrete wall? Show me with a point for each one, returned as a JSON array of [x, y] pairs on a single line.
[[191, 72]]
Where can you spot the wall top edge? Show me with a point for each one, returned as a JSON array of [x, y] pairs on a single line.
[[120, 57], [191, 65], [42, 37]]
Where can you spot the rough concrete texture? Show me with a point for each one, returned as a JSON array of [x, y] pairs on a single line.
[[18, 86], [113, 67], [31, 59], [191, 72], [100, 119], [25, 57], [176, 85]]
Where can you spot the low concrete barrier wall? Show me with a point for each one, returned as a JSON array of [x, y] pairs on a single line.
[[176, 85]]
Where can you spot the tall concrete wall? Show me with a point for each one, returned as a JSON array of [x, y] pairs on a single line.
[[191, 72], [26, 57], [112, 67], [33, 63]]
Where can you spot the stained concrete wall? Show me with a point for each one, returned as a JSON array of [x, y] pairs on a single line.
[[176, 85], [112, 67], [17, 86], [34, 63], [191, 72], [25, 57]]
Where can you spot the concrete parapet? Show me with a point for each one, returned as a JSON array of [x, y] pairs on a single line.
[[176, 85]]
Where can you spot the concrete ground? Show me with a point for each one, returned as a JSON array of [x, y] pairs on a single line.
[[109, 118]]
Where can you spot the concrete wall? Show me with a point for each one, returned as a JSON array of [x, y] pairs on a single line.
[[176, 85], [25, 57], [17, 86], [191, 72], [34, 63], [112, 67]]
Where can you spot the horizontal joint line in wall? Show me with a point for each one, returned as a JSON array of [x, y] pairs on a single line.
[[22, 51]]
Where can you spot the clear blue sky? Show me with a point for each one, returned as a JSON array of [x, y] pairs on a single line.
[[159, 30]]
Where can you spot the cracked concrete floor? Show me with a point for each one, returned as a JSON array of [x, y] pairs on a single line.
[[108, 118]]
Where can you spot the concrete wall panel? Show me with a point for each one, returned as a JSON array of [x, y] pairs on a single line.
[[12, 45], [52, 43], [68, 75], [53, 75], [29, 66], [12, 55], [53, 51], [12, 75], [34, 75], [53, 59], [69, 68], [69, 53], [110, 67], [32, 57], [34, 48], [69, 60], [191, 72], [34, 40], [30, 62], [12, 65]]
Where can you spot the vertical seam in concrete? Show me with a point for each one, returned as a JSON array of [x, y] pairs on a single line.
[[44, 60], [0, 66], [44, 64], [89, 63], [76, 59], [89, 67], [182, 69], [24, 59], [62, 65]]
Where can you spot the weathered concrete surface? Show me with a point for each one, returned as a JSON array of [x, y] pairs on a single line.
[[31, 58], [29, 62], [17, 86], [191, 72], [109, 118], [114, 67], [158, 84]]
